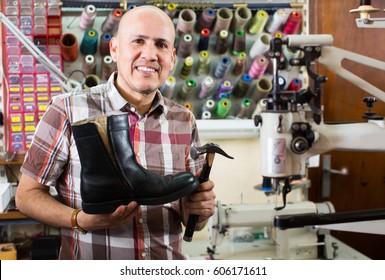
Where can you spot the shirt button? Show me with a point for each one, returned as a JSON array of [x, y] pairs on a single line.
[[138, 154], [140, 220], [144, 254], [132, 109]]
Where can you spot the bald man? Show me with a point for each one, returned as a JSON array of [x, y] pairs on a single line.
[[163, 132]]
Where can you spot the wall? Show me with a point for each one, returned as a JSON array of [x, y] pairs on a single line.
[[235, 179]]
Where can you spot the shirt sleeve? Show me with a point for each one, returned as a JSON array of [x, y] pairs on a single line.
[[48, 154]]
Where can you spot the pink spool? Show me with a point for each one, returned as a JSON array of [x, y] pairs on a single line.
[[258, 67]]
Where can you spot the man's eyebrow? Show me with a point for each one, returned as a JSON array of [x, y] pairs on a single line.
[[155, 39]]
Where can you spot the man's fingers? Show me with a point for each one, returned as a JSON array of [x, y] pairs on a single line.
[[124, 210]]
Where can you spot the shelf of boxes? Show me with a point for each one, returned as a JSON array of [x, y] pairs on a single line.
[[29, 84]]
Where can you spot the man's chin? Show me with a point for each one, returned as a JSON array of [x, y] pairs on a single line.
[[146, 91]]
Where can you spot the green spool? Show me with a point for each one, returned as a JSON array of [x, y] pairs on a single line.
[[187, 88], [223, 107], [90, 42], [246, 102]]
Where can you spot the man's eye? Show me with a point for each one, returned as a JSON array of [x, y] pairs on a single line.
[[162, 45], [138, 41]]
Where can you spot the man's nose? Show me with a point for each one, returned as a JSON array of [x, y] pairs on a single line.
[[149, 52]]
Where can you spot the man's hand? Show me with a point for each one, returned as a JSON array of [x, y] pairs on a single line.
[[201, 203], [121, 215]]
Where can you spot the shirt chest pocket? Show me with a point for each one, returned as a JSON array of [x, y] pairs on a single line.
[[167, 162]]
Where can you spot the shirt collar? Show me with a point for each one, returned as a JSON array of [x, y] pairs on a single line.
[[118, 103]]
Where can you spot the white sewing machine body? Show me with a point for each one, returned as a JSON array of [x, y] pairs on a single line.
[[291, 132], [298, 243]]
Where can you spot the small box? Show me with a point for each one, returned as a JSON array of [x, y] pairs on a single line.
[[45, 248], [6, 195], [8, 251]]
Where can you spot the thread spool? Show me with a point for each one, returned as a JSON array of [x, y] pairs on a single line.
[[108, 67], [206, 115], [90, 81], [186, 21], [260, 45], [187, 89], [295, 85], [242, 86], [282, 83], [244, 109], [224, 18], [104, 48], [170, 10], [224, 90], [110, 24], [221, 43], [187, 67], [203, 63], [262, 89], [189, 106], [222, 67], [209, 105], [206, 87], [89, 65], [69, 47], [185, 47], [89, 42], [168, 87], [240, 64], [205, 20], [288, 76], [278, 34], [204, 39], [258, 23], [293, 23], [223, 108], [258, 67], [239, 42], [87, 17], [275, 22], [241, 17]]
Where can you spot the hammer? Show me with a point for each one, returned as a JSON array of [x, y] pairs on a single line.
[[210, 149]]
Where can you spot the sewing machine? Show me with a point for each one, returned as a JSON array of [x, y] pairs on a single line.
[[291, 132]]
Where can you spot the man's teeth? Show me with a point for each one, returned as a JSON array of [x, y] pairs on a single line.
[[146, 69]]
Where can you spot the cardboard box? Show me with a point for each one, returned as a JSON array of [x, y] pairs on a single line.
[[8, 251], [6, 193]]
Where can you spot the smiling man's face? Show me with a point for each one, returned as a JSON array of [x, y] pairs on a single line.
[[143, 50]]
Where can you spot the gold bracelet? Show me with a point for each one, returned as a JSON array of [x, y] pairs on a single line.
[[74, 222]]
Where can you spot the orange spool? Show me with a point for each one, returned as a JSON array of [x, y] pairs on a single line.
[[69, 47]]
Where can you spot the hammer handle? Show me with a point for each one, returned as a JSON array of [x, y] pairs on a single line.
[[204, 177]]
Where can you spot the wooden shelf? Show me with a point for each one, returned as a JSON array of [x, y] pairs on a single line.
[[19, 159], [14, 215]]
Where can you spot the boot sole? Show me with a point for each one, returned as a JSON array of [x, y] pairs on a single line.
[[110, 206]]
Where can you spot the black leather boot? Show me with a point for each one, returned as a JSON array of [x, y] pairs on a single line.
[[110, 174]]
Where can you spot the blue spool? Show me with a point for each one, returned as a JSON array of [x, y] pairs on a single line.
[[107, 37], [222, 67], [211, 12], [246, 78]]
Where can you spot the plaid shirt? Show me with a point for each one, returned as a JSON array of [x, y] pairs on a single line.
[[161, 141]]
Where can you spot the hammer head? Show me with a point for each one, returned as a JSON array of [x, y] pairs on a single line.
[[195, 152]]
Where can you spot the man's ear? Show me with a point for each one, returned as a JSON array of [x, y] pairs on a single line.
[[173, 59], [114, 48]]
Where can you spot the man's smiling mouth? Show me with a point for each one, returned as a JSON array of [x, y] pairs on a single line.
[[146, 69]]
